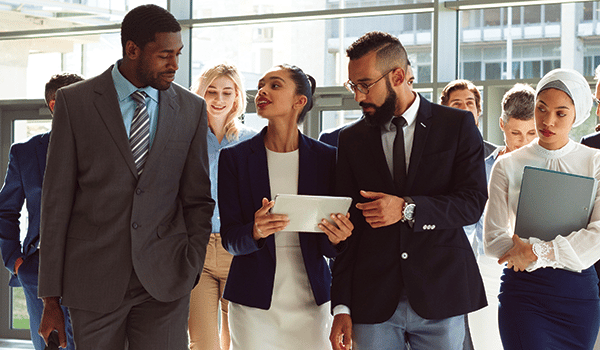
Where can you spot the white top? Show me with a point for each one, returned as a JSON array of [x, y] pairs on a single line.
[[294, 321], [578, 250], [283, 179]]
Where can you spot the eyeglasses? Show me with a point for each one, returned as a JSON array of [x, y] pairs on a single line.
[[362, 87], [596, 101]]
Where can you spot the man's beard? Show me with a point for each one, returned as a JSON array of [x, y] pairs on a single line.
[[384, 113], [150, 78]]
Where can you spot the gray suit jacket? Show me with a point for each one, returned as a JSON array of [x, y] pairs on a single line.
[[100, 221]]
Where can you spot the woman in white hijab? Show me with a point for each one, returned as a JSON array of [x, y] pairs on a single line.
[[549, 291]]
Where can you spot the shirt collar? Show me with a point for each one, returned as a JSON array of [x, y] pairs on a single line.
[[125, 88], [410, 115]]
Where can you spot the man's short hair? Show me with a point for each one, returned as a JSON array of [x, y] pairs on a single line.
[[457, 85], [390, 52], [141, 24], [56, 82], [518, 103]]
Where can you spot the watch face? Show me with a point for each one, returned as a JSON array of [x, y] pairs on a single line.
[[409, 211]]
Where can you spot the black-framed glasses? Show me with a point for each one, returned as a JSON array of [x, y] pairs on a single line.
[[362, 87]]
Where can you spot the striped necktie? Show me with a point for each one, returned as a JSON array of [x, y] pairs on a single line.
[[140, 131]]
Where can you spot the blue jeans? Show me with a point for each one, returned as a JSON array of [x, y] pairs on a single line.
[[406, 327], [28, 276]]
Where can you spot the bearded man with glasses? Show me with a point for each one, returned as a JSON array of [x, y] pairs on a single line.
[[416, 174]]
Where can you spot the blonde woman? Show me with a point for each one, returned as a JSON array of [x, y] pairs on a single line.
[[222, 88]]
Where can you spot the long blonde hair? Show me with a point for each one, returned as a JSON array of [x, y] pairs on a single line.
[[239, 106]]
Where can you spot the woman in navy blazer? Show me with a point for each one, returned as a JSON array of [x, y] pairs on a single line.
[[275, 299]]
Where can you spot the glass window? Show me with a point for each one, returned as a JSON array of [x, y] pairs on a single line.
[[552, 13], [588, 11], [493, 71], [423, 74], [531, 69], [309, 45], [532, 15], [550, 65], [491, 18], [534, 49], [516, 15], [424, 21], [472, 71], [36, 60], [225, 8], [333, 119]]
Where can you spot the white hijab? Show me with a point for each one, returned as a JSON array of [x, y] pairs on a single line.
[[573, 84]]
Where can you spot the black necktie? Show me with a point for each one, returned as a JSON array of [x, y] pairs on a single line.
[[399, 157]]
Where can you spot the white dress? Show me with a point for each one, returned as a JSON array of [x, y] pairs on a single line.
[[294, 320], [575, 251]]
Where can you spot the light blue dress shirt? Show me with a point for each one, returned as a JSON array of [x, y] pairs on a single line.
[[124, 90], [214, 149]]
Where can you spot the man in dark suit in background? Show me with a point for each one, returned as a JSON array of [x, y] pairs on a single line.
[[23, 182], [126, 203], [408, 272], [463, 94], [593, 140]]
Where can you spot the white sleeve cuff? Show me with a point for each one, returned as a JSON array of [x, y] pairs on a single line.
[[341, 309]]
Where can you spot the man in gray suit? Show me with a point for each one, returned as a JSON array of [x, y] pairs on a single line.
[[126, 203]]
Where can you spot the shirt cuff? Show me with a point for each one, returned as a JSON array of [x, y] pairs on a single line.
[[341, 309]]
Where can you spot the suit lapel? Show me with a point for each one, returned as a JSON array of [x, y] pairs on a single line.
[[168, 110], [422, 123], [373, 146], [41, 149], [107, 105], [259, 177]]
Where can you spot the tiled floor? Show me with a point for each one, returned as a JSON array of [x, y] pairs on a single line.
[[6, 344]]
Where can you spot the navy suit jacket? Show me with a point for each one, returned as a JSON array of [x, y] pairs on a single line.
[[243, 183], [432, 261], [331, 136], [24, 177], [593, 140]]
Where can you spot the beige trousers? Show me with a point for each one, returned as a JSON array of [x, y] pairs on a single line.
[[204, 302]]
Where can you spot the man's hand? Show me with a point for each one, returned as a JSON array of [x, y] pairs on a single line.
[[383, 210], [341, 332], [519, 256], [18, 264], [53, 318]]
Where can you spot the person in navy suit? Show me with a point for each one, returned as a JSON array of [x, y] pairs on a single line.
[[23, 182], [415, 171], [593, 140], [279, 281]]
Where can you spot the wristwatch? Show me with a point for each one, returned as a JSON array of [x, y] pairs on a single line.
[[408, 210]]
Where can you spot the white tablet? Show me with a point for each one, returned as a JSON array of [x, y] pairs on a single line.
[[306, 212]]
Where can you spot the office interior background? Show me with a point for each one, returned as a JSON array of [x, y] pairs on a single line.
[[494, 43]]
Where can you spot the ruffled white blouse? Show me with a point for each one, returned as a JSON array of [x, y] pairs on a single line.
[[573, 251]]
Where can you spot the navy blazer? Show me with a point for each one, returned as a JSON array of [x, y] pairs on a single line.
[[26, 166], [593, 140], [432, 261], [243, 183]]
